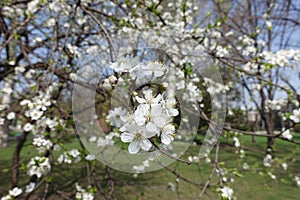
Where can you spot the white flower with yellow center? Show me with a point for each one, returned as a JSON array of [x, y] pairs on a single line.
[[149, 98], [152, 117], [138, 138], [296, 116], [115, 117], [166, 135]]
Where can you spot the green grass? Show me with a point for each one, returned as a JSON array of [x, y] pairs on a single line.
[[151, 185]]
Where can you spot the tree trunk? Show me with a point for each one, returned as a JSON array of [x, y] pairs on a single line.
[[4, 129], [16, 160], [270, 130]]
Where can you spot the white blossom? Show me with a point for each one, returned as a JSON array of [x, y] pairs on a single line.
[[124, 64], [166, 135], [236, 142], [11, 116], [30, 187], [138, 138], [74, 153], [267, 160], [42, 144], [15, 191], [2, 120], [287, 135], [284, 166], [82, 194], [35, 114], [295, 116], [7, 197], [28, 127], [152, 117], [149, 98], [226, 192], [169, 104], [19, 69], [245, 166], [90, 157], [50, 22], [73, 76], [115, 117], [269, 24], [38, 166]]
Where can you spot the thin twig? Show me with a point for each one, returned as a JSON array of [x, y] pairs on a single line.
[[105, 33], [168, 155], [180, 176]]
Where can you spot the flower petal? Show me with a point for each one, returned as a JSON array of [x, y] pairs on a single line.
[[148, 94], [156, 110], [127, 137], [157, 99], [168, 129], [159, 121], [151, 127], [149, 134], [166, 139], [134, 147], [140, 100], [145, 144]]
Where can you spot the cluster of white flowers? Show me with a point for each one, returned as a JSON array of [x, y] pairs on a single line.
[[107, 140], [60, 6], [42, 144], [30, 187], [82, 194], [12, 11], [12, 193], [39, 104], [73, 76], [282, 58], [287, 134], [32, 6], [215, 87], [35, 109], [69, 156], [38, 166], [73, 49], [241, 152], [152, 117], [140, 72], [191, 92], [141, 168], [245, 166], [275, 104], [268, 160], [295, 117], [236, 142], [111, 81], [252, 67], [90, 157], [195, 159], [226, 193]]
